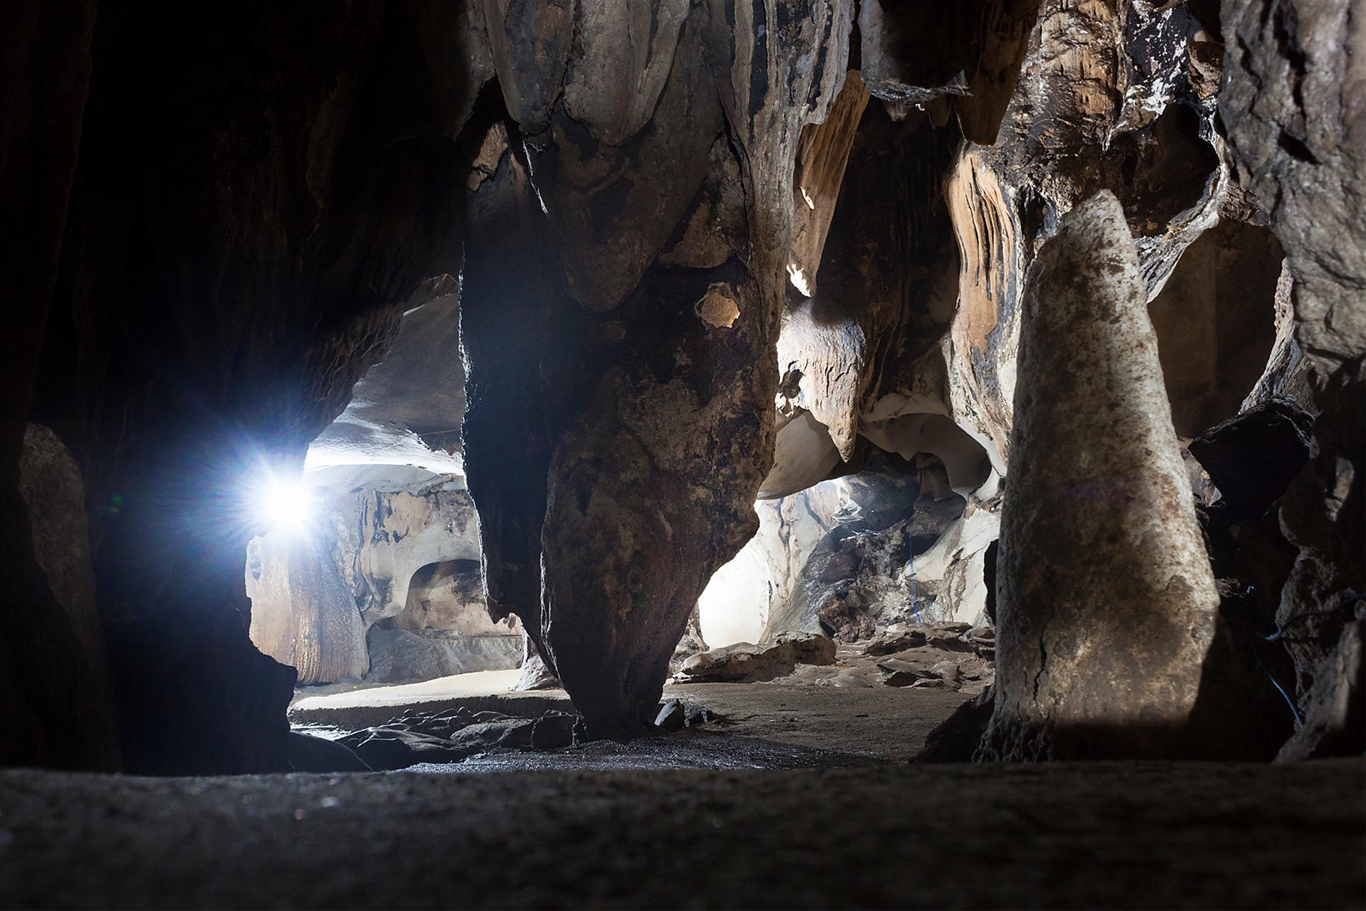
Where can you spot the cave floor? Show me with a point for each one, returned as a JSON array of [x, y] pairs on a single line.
[[794, 724], [801, 798]]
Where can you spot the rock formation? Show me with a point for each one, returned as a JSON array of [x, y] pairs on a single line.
[[1296, 128], [380, 584], [302, 613], [1106, 603]]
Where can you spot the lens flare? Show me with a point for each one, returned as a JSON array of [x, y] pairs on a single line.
[[283, 504]]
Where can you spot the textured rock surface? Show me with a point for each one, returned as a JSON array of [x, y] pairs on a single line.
[[1335, 707], [406, 656], [846, 544], [748, 662], [303, 614], [666, 390], [1100, 835], [382, 539], [857, 579], [54, 504], [1106, 612], [405, 560], [1296, 128]]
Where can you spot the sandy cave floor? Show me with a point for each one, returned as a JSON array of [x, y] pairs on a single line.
[[801, 798]]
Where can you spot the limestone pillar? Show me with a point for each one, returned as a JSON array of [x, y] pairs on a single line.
[[1107, 603]]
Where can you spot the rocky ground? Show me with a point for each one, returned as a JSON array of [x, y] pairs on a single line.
[[486, 716], [789, 794]]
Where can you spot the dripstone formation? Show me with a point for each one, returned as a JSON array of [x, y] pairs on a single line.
[[628, 268], [1106, 601]]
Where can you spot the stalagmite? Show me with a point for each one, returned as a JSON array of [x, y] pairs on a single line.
[[1106, 602]]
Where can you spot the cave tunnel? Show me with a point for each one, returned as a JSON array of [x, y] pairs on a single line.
[[728, 453]]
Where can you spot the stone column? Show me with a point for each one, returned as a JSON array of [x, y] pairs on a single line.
[[1107, 603]]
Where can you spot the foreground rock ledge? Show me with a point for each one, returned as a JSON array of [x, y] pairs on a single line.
[[1107, 601], [1158, 835]]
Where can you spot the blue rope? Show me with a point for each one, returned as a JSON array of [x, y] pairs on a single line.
[[1294, 710], [1299, 721]]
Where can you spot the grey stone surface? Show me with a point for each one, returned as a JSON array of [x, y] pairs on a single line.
[[1155, 835], [1107, 601], [769, 659], [405, 656]]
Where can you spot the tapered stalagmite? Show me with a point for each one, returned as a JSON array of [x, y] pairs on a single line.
[[1107, 602]]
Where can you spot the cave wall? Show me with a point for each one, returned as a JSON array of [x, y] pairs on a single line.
[[47, 689], [257, 200], [1296, 128], [358, 587]]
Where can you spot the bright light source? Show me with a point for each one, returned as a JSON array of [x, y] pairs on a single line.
[[283, 504]]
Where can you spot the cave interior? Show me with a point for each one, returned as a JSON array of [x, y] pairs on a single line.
[[402, 393]]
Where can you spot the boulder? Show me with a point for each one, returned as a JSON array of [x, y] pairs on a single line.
[[308, 753], [503, 732], [744, 662], [455, 735], [957, 738], [553, 731], [388, 748]]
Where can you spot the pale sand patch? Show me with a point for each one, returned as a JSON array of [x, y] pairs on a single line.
[[479, 683]]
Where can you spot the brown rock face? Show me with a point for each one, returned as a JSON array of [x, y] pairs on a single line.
[[1106, 600]]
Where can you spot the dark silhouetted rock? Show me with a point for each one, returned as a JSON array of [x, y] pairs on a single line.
[[308, 753], [553, 731], [958, 737], [1335, 707], [1253, 457]]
